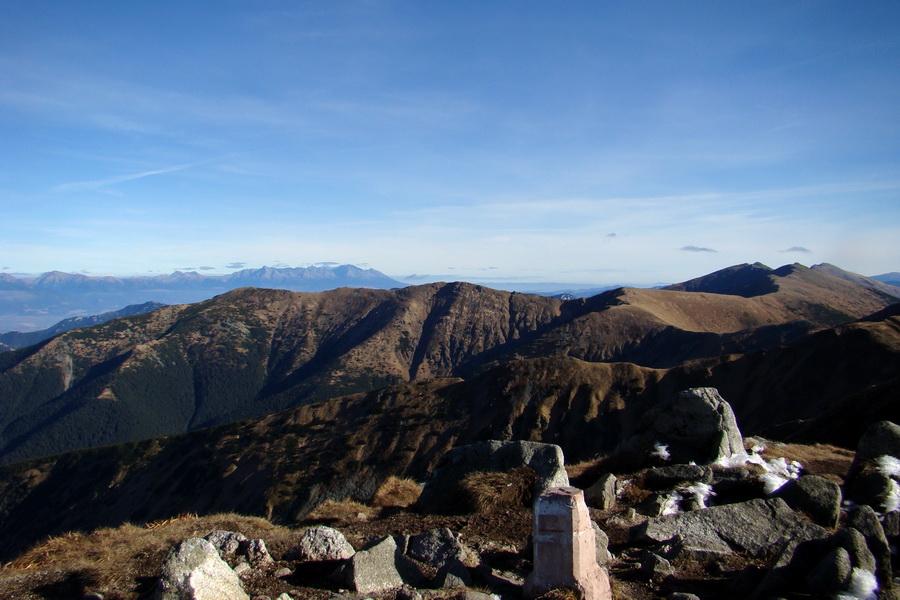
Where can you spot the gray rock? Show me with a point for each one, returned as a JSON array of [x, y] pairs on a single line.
[[453, 575], [471, 595], [318, 544], [227, 543], [659, 504], [408, 593], [441, 489], [864, 519], [603, 555], [758, 527], [438, 547], [256, 552], [854, 543], [241, 568], [655, 567], [602, 494], [670, 476], [832, 574], [193, 570], [872, 488], [891, 524], [815, 496], [682, 596], [881, 438], [697, 426], [282, 572], [372, 570]]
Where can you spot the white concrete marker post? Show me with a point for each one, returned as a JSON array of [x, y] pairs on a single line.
[[565, 549]]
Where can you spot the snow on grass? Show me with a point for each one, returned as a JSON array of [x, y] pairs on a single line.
[[700, 491], [778, 471]]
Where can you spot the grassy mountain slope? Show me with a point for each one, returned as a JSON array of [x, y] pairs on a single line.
[[251, 352]]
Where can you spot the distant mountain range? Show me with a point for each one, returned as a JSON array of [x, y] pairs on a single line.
[[29, 304]]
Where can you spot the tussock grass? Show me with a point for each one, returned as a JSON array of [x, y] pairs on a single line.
[[114, 560], [491, 491], [345, 511], [397, 492]]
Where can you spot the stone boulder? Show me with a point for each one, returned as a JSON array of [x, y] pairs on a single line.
[[880, 439], [193, 570], [373, 569], [320, 544], [443, 551], [815, 496], [758, 528], [440, 493], [602, 494], [697, 425]]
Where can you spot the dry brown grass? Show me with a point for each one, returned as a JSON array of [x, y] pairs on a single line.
[[397, 492], [113, 561], [345, 511], [560, 594], [487, 492]]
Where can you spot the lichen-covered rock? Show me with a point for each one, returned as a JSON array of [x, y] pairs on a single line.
[[193, 570]]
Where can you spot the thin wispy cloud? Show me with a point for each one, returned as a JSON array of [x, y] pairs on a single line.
[[697, 249], [799, 249], [80, 186]]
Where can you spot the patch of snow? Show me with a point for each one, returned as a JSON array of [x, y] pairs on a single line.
[[670, 505], [700, 491], [892, 502], [888, 465], [660, 451], [738, 459], [772, 482], [863, 586]]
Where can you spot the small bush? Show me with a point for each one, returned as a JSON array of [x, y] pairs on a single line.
[[487, 492], [397, 492]]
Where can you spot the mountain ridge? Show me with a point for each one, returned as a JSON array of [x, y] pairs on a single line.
[[253, 351]]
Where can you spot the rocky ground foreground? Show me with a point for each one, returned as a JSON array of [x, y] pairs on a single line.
[[687, 508]]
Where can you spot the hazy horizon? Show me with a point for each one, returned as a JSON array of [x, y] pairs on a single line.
[[583, 143]]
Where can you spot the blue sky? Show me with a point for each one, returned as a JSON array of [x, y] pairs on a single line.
[[587, 142]]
